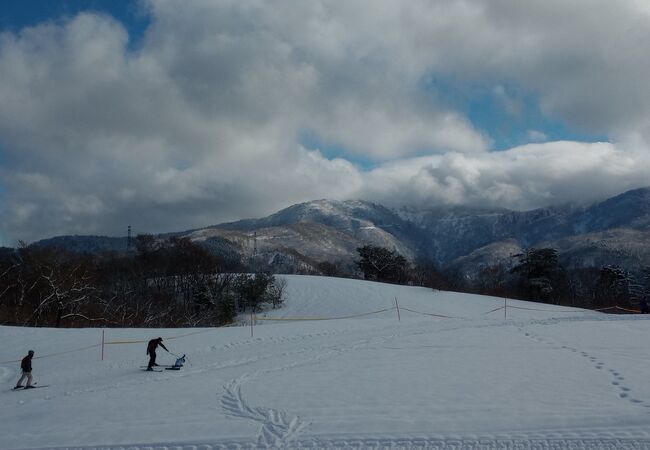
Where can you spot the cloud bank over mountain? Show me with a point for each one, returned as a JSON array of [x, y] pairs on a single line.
[[204, 120]]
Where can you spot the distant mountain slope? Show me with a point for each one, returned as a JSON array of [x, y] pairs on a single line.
[[85, 244], [297, 238], [364, 221], [342, 215], [452, 232], [628, 210], [312, 232], [622, 247]]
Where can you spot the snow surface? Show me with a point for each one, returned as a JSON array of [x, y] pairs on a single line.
[[543, 377]]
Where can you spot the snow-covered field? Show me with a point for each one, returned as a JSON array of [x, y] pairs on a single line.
[[544, 377]]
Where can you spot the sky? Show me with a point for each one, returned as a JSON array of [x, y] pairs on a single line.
[[168, 115]]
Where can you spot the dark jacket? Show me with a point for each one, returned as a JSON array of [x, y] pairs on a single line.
[[26, 364], [153, 345]]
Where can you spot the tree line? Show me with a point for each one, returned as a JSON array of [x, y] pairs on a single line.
[[175, 282], [171, 282], [536, 274]]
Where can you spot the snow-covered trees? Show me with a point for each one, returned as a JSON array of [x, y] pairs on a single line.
[[46, 286], [165, 282]]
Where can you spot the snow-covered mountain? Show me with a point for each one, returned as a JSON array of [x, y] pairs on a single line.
[[628, 210], [615, 231]]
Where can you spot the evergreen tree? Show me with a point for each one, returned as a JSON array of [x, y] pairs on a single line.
[[254, 291], [617, 286], [540, 271], [226, 309], [381, 264]]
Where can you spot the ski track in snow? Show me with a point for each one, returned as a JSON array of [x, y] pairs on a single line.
[[277, 429], [617, 380]]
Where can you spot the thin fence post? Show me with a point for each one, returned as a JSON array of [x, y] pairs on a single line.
[[505, 308], [102, 345], [251, 322], [397, 306]]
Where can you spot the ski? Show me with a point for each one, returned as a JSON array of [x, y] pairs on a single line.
[[23, 388], [152, 370], [165, 367]]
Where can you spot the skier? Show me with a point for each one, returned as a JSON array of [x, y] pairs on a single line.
[[26, 366], [151, 351]]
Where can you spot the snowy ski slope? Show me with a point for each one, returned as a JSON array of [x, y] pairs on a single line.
[[544, 377]]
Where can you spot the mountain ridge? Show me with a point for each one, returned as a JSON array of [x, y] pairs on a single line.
[[331, 230]]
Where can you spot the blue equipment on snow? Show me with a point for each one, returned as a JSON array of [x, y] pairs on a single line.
[[179, 362]]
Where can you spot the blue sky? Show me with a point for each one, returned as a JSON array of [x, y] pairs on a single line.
[[17, 14], [237, 109], [509, 114]]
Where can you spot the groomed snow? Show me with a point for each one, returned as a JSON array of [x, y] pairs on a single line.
[[543, 377]]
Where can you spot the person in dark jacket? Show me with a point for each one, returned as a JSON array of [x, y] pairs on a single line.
[[151, 351], [26, 366]]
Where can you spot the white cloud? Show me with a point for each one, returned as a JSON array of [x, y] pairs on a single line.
[[524, 177], [202, 122]]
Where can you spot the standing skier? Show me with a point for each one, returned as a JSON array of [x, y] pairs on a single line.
[[26, 366], [151, 351]]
